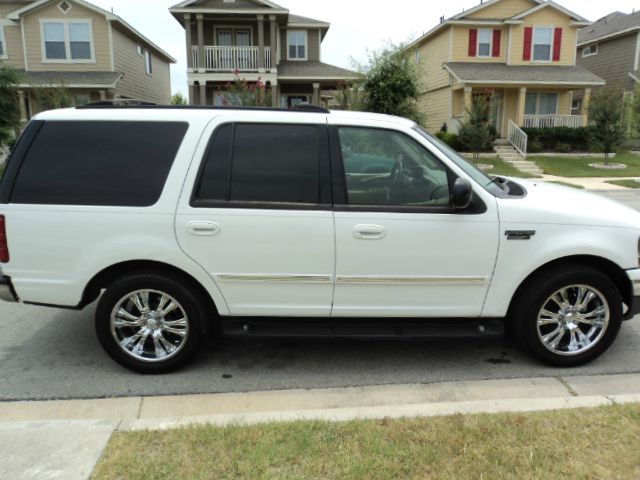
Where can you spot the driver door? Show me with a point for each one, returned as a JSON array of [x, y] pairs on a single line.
[[401, 250]]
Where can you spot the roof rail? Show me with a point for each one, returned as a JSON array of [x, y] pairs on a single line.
[[133, 104], [118, 102]]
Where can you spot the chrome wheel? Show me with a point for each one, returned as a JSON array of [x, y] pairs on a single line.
[[149, 325], [573, 320]]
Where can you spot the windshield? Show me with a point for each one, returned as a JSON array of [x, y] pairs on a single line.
[[475, 173]]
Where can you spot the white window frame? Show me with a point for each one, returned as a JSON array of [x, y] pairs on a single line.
[[4, 55], [233, 29], [588, 51], [538, 94], [533, 43], [148, 62], [490, 43], [306, 46], [67, 40], [140, 49]]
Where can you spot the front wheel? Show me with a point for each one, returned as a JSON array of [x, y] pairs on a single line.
[[149, 323], [569, 316]]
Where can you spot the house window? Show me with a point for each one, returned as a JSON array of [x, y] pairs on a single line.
[[3, 44], [297, 45], [140, 50], [542, 44], [541, 104], [69, 41], [485, 37], [148, 62], [590, 50], [64, 7]]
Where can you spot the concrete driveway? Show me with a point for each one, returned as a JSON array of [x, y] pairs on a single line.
[[51, 354]]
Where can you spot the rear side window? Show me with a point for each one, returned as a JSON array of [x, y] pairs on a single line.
[[263, 163], [98, 163]]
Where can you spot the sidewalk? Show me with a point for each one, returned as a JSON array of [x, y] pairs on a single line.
[[590, 183], [64, 439]]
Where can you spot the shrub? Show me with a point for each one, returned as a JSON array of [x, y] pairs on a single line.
[[450, 139], [562, 148], [535, 146], [578, 139], [605, 111]]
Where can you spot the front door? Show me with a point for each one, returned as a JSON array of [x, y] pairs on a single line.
[[257, 217], [400, 248]]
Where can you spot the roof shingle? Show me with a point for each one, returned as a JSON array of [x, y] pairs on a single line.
[[610, 25]]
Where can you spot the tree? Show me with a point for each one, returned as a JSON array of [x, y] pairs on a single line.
[[391, 85], [178, 99], [240, 92], [475, 134], [50, 98], [606, 113], [9, 106]]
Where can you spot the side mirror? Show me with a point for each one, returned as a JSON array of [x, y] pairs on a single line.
[[461, 194]]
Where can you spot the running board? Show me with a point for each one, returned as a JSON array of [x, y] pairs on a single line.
[[362, 328]]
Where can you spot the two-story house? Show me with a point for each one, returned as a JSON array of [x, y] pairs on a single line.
[[256, 40], [521, 52], [610, 48], [75, 45]]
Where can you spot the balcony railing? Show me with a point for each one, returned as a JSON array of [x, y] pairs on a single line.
[[230, 59], [549, 121]]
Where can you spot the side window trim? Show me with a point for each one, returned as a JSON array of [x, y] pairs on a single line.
[[325, 187], [340, 198]]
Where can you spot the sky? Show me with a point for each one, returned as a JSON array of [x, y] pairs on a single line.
[[357, 26]]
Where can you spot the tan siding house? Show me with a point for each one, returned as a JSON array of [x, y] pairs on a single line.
[[76, 45], [520, 52], [255, 40]]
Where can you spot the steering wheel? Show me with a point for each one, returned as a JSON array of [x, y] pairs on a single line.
[[395, 177], [434, 190]]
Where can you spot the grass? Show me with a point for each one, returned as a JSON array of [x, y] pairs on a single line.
[[579, 167], [597, 443], [625, 183], [500, 167], [579, 187]]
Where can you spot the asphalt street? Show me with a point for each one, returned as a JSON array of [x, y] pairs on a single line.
[[54, 354]]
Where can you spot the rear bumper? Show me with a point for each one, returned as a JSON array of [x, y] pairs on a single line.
[[7, 293]]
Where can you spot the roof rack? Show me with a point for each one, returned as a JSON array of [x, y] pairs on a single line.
[[133, 104]]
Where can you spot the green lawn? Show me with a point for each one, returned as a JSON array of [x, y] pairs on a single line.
[[625, 183], [579, 167], [585, 444], [500, 167]]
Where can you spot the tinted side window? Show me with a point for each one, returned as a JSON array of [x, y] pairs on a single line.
[[98, 163], [384, 167], [270, 163]]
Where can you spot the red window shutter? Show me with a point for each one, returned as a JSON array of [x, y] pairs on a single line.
[[557, 44], [473, 42], [528, 39], [497, 35]]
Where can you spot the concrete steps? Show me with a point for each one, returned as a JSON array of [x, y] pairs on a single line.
[[510, 155]]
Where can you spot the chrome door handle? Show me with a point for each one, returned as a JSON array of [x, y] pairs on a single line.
[[369, 232], [203, 229]]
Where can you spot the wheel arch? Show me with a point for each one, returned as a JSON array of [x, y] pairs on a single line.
[[107, 276], [617, 275]]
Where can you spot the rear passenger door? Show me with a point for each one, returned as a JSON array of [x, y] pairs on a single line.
[[256, 214]]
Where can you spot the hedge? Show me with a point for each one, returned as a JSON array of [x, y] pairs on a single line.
[[562, 139]]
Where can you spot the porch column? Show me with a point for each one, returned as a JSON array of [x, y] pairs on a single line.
[[23, 108], [315, 100], [275, 99], [187, 28], [201, 60], [203, 93], [468, 99], [192, 94], [261, 43], [103, 95], [585, 106], [522, 100], [274, 40]]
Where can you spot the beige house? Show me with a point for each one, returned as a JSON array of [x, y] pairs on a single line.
[[523, 52], [76, 45], [256, 40]]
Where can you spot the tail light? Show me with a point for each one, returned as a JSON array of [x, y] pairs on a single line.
[[4, 246]]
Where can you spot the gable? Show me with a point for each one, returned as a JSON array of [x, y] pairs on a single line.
[[499, 9]]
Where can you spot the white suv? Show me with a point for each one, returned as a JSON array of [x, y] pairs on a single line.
[[188, 223]]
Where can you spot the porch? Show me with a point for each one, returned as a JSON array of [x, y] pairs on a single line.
[[232, 59]]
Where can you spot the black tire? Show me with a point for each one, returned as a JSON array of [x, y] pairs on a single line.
[[177, 291], [534, 296]]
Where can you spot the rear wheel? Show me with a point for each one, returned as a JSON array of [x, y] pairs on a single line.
[[150, 323], [568, 316]]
